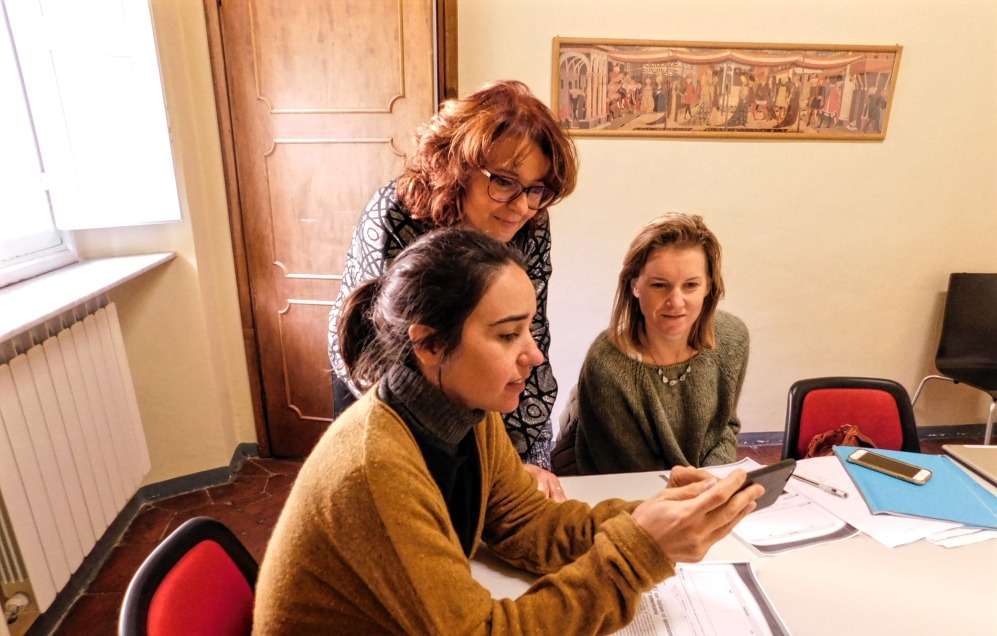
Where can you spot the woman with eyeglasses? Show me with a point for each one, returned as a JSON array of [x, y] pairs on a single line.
[[495, 161]]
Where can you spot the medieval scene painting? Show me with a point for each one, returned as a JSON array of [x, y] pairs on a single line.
[[637, 88]]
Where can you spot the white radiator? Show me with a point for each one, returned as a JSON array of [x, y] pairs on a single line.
[[72, 451]]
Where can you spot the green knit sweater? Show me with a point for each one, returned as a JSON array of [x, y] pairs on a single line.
[[629, 420], [365, 544]]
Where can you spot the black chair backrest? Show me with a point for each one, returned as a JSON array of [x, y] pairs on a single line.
[[967, 349]]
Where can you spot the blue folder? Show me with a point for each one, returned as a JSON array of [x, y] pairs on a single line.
[[950, 495]]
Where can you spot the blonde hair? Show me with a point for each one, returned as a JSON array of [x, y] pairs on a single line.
[[673, 229]]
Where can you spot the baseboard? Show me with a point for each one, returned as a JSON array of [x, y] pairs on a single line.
[[954, 431], [48, 621], [948, 431], [197, 481]]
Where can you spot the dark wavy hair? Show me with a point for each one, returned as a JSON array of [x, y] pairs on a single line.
[[462, 137], [626, 326], [437, 281]]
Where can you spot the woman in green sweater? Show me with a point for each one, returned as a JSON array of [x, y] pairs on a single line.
[[660, 387], [389, 508]]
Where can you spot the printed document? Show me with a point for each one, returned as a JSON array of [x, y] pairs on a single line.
[[707, 599], [794, 521]]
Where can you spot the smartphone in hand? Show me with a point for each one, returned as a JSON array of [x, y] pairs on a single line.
[[773, 478], [889, 466]]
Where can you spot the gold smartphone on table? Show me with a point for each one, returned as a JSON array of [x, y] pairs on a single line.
[[889, 466]]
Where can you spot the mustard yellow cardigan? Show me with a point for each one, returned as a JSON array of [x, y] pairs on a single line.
[[365, 545]]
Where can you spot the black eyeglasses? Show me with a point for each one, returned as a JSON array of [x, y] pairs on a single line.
[[505, 189]]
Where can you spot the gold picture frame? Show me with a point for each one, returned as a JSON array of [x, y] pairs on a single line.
[[648, 88]]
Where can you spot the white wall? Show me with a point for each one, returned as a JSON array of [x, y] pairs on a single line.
[[837, 254]]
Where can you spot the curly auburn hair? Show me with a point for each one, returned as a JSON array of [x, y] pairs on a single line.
[[462, 137]]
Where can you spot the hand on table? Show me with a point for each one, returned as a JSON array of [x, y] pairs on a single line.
[[548, 482]]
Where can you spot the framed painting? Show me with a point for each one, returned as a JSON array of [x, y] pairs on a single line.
[[644, 88]]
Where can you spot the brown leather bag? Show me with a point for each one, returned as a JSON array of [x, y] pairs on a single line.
[[847, 435]]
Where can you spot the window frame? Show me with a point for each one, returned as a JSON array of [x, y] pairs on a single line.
[[102, 166]]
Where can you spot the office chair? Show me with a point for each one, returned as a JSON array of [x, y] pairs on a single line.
[[880, 408], [199, 581], [967, 348]]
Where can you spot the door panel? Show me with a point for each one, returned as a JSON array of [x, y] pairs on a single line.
[[324, 96], [354, 40]]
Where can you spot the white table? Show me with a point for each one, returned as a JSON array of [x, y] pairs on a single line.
[[855, 586]]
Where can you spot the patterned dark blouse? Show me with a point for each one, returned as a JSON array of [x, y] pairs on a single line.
[[384, 230]]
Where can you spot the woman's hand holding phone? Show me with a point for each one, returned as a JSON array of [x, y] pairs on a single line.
[[695, 511], [773, 478]]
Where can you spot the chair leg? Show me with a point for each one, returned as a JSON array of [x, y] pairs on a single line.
[[990, 422], [921, 385]]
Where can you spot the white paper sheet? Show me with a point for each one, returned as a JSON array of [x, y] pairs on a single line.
[[707, 599], [791, 523], [962, 536]]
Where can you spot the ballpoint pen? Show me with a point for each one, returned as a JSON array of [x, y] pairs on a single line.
[[828, 489]]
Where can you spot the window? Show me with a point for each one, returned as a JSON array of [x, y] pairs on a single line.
[[86, 128], [30, 242]]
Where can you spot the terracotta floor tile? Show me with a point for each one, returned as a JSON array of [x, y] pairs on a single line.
[[256, 540], [93, 615], [280, 484], [211, 509], [246, 487], [120, 567], [263, 510], [251, 466], [237, 521], [279, 466], [149, 526], [187, 501]]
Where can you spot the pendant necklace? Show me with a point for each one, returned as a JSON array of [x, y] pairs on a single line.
[[670, 381], [661, 372]]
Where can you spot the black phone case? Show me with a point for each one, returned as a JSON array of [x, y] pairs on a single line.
[[773, 478]]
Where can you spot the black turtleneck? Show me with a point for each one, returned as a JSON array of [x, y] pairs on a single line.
[[444, 431]]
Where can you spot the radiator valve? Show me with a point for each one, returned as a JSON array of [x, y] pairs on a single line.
[[13, 606]]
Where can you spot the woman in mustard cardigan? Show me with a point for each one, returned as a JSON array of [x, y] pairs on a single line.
[[389, 508]]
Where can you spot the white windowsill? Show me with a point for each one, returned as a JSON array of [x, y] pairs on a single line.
[[33, 301]]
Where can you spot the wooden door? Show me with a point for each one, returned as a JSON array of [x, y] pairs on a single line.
[[323, 97]]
